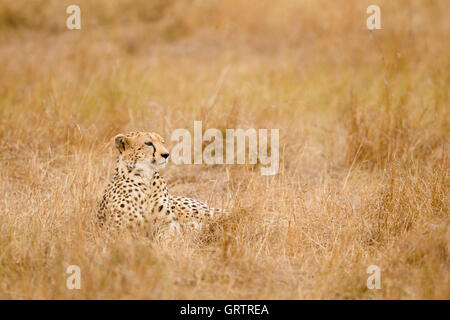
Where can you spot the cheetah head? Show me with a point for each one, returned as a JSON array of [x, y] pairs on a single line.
[[141, 151]]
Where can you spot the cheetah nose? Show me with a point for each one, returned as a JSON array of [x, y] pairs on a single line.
[[165, 155]]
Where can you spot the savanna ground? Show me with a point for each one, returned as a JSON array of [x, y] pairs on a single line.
[[364, 134]]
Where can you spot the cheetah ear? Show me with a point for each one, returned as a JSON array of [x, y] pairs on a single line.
[[121, 142]]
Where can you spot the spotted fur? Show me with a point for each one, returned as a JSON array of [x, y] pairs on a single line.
[[138, 196]]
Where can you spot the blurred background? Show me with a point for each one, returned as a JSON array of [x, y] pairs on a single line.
[[137, 62]]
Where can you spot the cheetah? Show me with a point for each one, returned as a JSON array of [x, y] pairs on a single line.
[[138, 196]]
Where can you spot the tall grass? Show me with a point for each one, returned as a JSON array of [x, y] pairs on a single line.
[[363, 119]]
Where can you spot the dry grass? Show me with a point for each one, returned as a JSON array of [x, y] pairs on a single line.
[[364, 132]]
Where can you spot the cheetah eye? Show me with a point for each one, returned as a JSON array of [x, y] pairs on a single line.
[[150, 144]]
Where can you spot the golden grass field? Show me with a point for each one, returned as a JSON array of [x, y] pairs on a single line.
[[364, 135]]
